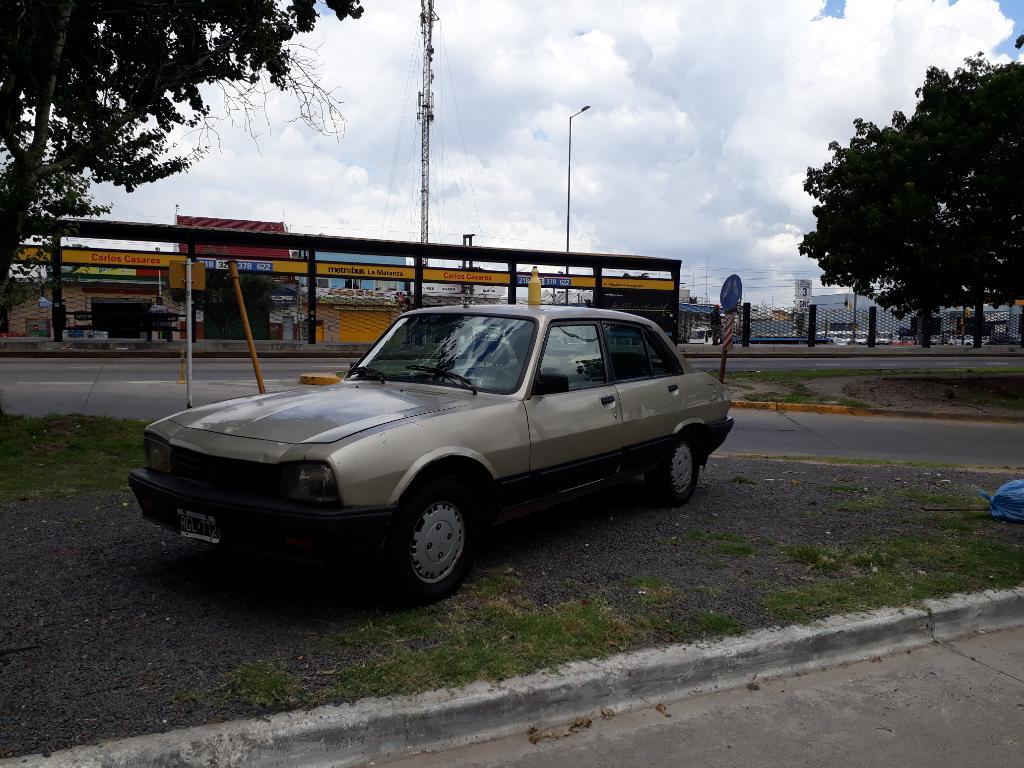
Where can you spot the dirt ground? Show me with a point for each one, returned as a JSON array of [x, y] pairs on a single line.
[[966, 393], [983, 395]]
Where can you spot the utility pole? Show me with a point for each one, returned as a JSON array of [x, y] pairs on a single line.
[[426, 114]]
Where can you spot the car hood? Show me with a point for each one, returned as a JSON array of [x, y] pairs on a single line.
[[323, 416]]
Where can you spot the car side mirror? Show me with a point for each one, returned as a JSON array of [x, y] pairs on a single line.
[[551, 383]]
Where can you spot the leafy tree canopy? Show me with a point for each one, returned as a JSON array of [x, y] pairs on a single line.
[[929, 211], [94, 90]]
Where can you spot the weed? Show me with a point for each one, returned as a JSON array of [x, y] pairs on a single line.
[[741, 480], [187, 697]]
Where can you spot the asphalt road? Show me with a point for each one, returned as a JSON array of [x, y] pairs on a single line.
[[148, 389], [958, 703]]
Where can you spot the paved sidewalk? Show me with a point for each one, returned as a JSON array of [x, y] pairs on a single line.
[[959, 703]]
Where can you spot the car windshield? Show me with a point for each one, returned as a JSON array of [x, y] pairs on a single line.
[[488, 352]]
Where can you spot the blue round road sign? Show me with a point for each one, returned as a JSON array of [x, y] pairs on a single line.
[[732, 292]]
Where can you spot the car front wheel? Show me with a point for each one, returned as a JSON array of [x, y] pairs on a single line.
[[675, 480], [431, 547]]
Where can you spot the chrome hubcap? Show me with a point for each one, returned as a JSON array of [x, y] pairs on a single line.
[[682, 468], [437, 541]]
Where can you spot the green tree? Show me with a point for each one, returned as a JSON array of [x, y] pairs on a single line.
[[221, 317], [929, 211], [92, 90]]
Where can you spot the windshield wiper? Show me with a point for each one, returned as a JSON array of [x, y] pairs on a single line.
[[365, 370], [444, 374]]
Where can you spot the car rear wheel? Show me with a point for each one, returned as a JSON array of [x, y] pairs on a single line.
[[674, 481], [431, 547]]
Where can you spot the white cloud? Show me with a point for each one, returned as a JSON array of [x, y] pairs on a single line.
[[706, 114]]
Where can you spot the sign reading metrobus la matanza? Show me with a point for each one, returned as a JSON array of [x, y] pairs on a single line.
[[369, 271]]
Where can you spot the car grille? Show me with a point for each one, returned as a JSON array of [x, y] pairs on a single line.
[[233, 474]]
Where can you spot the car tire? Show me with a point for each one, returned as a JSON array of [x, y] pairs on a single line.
[[674, 480], [432, 543]]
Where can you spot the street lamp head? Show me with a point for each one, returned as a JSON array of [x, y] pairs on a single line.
[[585, 108]]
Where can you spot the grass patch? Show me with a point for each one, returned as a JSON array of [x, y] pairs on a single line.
[[900, 572], [867, 503], [653, 590], [741, 480], [816, 556], [492, 642], [717, 624], [933, 499], [735, 549], [63, 455], [262, 684]]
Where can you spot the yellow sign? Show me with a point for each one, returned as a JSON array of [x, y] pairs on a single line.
[[637, 283], [116, 258], [464, 276], [371, 271], [583, 281], [176, 276]]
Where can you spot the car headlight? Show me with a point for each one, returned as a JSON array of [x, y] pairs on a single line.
[[308, 481], [158, 453]]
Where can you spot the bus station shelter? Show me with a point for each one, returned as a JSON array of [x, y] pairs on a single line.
[[305, 263]]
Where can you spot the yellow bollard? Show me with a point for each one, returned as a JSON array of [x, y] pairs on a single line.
[[533, 289], [181, 368], [233, 270]]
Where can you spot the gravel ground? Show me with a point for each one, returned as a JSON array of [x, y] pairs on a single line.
[[108, 621]]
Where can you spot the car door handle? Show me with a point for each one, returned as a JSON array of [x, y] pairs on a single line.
[[673, 388], [607, 399]]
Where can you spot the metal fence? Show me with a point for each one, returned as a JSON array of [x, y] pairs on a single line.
[[874, 326]]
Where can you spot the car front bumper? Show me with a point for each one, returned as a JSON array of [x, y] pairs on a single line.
[[255, 521], [717, 432]]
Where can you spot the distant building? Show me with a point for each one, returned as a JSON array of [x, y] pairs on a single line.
[[843, 300]]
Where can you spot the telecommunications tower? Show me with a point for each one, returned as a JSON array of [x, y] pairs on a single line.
[[425, 114]]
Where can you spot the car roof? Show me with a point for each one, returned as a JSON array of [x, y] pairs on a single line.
[[549, 312]]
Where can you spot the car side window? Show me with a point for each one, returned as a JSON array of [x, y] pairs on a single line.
[[661, 363], [627, 351], [574, 351]]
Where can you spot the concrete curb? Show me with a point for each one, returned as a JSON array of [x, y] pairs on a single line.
[[352, 734], [319, 379], [845, 410]]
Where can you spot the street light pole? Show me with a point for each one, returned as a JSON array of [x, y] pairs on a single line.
[[568, 184], [568, 192]]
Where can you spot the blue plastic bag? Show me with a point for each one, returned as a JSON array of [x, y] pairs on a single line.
[[1008, 502]]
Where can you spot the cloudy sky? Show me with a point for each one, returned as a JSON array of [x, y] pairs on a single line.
[[705, 115]]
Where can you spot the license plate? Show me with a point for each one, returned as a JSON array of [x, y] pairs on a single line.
[[194, 525]]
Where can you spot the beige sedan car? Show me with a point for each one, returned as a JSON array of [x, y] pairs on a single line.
[[457, 418]]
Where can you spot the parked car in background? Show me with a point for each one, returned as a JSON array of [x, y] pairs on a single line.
[[456, 418]]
